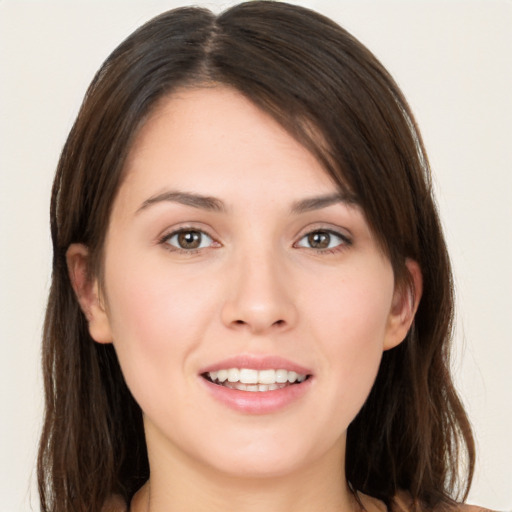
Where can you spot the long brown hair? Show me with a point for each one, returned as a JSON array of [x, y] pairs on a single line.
[[333, 96]]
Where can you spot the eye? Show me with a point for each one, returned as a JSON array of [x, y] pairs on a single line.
[[323, 239], [188, 240]]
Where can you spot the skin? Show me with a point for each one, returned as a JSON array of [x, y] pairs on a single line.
[[256, 286]]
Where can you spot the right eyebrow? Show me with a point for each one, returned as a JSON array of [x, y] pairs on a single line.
[[185, 198], [319, 202]]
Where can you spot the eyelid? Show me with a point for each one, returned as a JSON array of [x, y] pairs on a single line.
[[311, 227]]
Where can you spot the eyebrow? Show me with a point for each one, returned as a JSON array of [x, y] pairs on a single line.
[[316, 203], [187, 199], [213, 204]]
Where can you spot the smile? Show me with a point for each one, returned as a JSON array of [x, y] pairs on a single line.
[[248, 379], [257, 384]]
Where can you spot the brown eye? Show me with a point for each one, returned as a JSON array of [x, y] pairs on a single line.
[[189, 239], [319, 239]]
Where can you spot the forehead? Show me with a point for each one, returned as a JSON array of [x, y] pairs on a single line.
[[214, 140]]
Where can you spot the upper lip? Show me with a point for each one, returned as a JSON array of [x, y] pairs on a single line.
[[257, 362]]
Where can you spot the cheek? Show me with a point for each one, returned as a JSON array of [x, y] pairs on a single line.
[[157, 320], [153, 302], [353, 310], [350, 325]]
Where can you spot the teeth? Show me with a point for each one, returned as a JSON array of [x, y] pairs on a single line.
[[253, 387], [248, 376], [234, 375], [281, 376], [254, 380], [267, 376]]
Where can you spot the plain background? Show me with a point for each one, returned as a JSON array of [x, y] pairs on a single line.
[[453, 62]]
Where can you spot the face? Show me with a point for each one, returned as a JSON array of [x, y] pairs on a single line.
[[231, 256]]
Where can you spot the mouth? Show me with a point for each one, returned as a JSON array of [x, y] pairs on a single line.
[[248, 379]]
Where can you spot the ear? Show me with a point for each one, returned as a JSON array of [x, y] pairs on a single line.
[[406, 299], [87, 293]]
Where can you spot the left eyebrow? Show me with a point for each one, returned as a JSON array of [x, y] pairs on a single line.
[[318, 202], [187, 199]]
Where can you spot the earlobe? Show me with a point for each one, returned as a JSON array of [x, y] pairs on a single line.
[[88, 294], [406, 299]]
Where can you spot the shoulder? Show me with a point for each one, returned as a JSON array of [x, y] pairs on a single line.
[[404, 503]]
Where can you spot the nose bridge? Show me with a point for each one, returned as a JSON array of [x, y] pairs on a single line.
[[259, 296]]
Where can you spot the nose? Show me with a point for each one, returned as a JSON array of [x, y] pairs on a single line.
[[259, 295]]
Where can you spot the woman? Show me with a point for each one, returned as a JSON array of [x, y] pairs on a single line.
[[251, 300]]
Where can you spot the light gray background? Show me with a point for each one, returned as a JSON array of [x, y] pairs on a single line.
[[453, 61]]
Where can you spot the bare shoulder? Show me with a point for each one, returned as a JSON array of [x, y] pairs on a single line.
[[463, 507], [404, 503]]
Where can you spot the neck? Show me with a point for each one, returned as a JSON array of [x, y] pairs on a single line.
[[179, 484], [257, 495]]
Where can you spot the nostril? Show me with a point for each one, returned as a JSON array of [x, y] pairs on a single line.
[[279, 322]]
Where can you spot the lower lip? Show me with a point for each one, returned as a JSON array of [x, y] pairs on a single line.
[[258, 402]]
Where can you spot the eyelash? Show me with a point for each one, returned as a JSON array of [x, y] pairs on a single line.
[[344, 242]]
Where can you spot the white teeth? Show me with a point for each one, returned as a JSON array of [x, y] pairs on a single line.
[[233, 375], [249, 379], [248, 376], [253, 387], [267, 376], [281, 376]]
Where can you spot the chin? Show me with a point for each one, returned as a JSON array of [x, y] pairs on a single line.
[[273, 455], [279, 465]]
